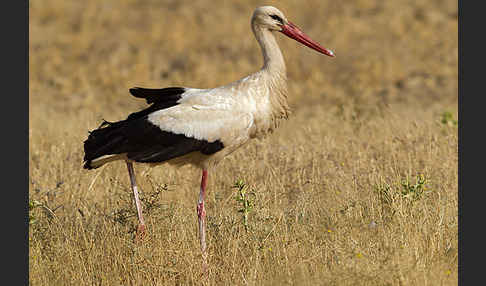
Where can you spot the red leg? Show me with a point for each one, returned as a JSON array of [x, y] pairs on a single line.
[[141, 223], [201, 215]]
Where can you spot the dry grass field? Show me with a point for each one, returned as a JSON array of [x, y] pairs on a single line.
[[358, 187]]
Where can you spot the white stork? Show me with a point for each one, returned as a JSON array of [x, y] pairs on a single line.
[[201, 126]]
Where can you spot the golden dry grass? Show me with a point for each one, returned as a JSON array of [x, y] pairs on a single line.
[[329, 205]]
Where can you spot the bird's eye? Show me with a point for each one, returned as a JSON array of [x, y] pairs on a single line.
[[275, 17]]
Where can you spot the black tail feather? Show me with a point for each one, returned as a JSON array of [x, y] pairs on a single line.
[[102, 141]]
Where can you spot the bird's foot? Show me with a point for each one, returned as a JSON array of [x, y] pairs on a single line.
[[140, 233]]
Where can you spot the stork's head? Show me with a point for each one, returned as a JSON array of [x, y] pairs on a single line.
[[271, 18]]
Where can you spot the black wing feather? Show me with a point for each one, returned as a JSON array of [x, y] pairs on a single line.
[[160, 98], [143, 142], [154, 95]]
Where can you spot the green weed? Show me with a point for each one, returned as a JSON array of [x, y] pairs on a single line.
[[246, 198], [448, 119], [416, 190], [34, 204], [405, 190]]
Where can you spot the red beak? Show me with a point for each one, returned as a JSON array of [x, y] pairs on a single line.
[[292, 31]]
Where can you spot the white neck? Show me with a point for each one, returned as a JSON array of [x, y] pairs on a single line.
[[274, 74], [273, 61]]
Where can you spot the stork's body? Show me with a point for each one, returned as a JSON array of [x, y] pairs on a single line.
[[202, 126]]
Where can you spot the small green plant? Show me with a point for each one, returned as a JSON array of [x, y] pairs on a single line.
[[405, 190], [448, 119], [246, 200], [150, 202], [414, 191], [33, 204]]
